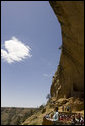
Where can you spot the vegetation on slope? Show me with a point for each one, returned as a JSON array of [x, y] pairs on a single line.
[[15, 116]]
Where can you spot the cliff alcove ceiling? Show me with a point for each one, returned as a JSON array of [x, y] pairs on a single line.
[[70, 73]]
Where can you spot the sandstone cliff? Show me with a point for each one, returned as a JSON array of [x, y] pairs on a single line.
[[69, 78]]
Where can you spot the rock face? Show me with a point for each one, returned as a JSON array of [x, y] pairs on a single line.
[[69, 78]]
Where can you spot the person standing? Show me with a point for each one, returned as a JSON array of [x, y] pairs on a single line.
[[62, 108], [56, 116]]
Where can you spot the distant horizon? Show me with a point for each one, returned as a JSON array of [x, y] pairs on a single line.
[[30, 41], [19, 107]]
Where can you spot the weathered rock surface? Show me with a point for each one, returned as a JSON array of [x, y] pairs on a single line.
[[69, 77]]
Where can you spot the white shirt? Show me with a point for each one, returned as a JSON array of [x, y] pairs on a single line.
[[55, 117]]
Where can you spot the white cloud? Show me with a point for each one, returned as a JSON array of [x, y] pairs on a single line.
[[15, 51]]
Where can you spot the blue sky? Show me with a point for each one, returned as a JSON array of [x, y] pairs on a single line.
[[26, 83]]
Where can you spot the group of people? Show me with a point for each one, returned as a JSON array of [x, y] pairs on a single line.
[[73, 119], [66, 109], [78, 119]]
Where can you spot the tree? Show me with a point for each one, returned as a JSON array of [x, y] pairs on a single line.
[[48, 96], [18, 122]]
